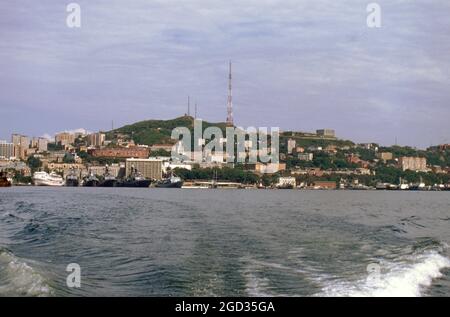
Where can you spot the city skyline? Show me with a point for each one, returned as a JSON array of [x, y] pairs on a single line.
[[301, 66]]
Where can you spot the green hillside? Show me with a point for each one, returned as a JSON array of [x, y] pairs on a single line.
[[150, 132]]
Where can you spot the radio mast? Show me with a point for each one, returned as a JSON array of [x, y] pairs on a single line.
[[230, 101]]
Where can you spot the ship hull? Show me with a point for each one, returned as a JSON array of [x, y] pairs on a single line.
[[39, 182], [134, 183], [169, 185], [5, 183], [72, 183], [91, 183], [109, 183]]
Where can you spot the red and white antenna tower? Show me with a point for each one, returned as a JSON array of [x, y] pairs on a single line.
[[230, 102]]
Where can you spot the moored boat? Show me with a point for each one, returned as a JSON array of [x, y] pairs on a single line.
[[72, 179], [136, 179], [91, 181], [4, 181], [46, 179], [109, 180], [170, 182]]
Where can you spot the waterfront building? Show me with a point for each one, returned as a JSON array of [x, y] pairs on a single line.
[[286, 182], [65, 168], [119, 152], [418, 164], [324, 185], [150, 168]]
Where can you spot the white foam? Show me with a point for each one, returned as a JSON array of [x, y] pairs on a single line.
[[256, 285], [405, 279], [17, 278]]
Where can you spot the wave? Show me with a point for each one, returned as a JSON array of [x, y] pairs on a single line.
[[406, 279], [406, 272], [17, 278]]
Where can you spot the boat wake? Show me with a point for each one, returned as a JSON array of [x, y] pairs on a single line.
[[406, 279], [17, 278], [406, 276]]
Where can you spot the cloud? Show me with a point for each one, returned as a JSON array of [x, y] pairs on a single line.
[[297, 64]]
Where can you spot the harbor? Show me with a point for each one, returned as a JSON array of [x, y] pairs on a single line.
[[136, 180]]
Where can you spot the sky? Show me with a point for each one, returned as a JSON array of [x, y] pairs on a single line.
[[298, 65]]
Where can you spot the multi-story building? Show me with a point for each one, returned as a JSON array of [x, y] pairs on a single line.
[[96, 139], [118, 152], [288, 181], [305, 156], [368, 146], [324, 185], [40, 144], [331, 149], [418, 164], [269, 168], [64, 138], [315, 148], [65, 168], [20, 140], [385, 156], [290, 145], [326, 133], [17, 166], [6, 150], [150, 168], [21, 145]]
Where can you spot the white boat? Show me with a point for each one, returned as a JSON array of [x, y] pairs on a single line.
[[45, 179]]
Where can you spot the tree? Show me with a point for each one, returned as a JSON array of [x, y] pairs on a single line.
[[34, 163], [68, 158]]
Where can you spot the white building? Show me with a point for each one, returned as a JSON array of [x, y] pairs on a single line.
[[291, 144], [287, 182], [305, 156]]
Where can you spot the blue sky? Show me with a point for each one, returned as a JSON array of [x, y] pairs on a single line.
[[298, 65]]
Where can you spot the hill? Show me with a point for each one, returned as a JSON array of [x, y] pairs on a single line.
[[150, 132]]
